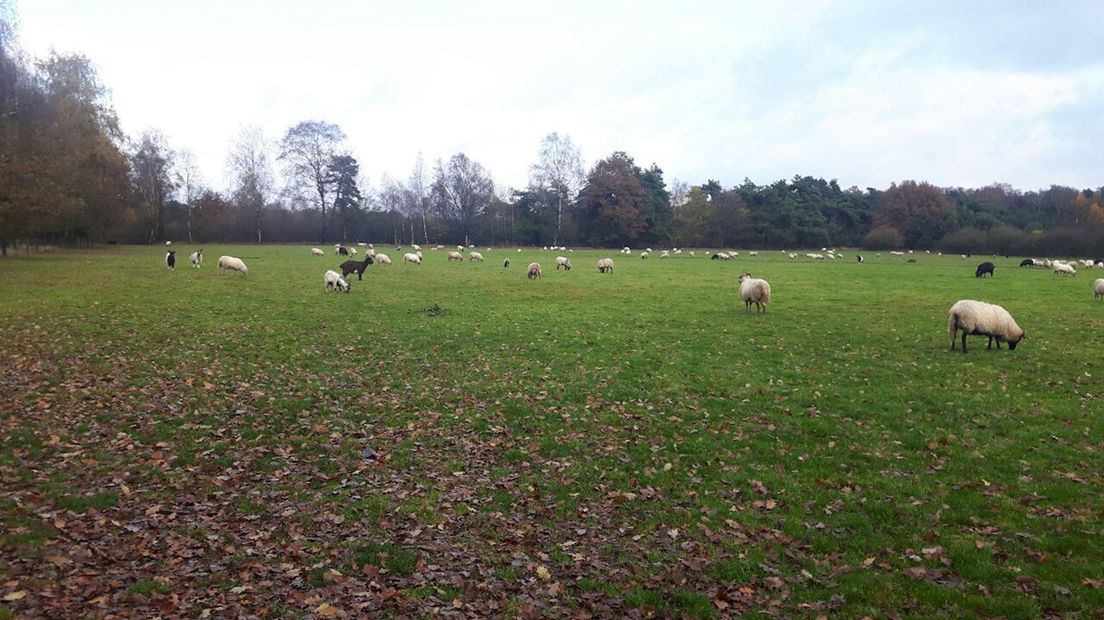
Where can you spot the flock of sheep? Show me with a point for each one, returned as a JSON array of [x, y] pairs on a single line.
[[967, 316]]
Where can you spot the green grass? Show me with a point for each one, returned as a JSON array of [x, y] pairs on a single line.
[[829, 456]]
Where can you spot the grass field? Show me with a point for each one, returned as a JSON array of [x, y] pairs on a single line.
[[192, 442]]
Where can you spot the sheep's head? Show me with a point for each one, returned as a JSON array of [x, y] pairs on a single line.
[[744, 276]]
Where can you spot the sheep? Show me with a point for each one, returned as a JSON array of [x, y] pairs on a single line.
[[1098, 289], [754, 291], [984, 268], [1027, 262], [643, 255], [455, 256], [196, 258], [361, 243], [859, 258], [168, 243], [534, 271], [899, 253], [982, 319], [170, 260], [231, 263], [665, 254], [691, 253], [317, 252], [382, 259], [753, 253], [720, 256], [562, 261], [475, 257], [358, 267], [415, 247], [412, 258], [1064, 268], [459, 248], [352, 251], [605, 265], [341, 250], [506, 264], [791, 256], [334, 281]]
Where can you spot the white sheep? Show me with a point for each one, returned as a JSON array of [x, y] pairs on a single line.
[[415, 247], [168, 243], [753, 253], [754, 291], [534, 272], [475, 257], [977, 318], [231, 263], [665, 254], [643, 255], [352, 251], [455, 256], [334, 282], [382, 259], [1098, 289], [791, 255], [691, 253], [562, 261], [196, 258], [459, 248], [411, 258], [317, 252], [605, 264], [1064, 268], [361, 243]]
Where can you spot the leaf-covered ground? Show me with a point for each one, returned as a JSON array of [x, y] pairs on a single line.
[[197, 444]]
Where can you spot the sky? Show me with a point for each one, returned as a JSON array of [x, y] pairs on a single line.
[[955, 93]]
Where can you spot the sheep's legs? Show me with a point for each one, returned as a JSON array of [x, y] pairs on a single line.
[[963, 341]]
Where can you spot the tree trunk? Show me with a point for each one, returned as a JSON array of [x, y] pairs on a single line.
[[190, 240], [559, 217], [425, 235]]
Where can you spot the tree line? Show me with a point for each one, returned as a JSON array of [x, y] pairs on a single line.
[[68, 176]]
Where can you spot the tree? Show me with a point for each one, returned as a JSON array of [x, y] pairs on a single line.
[[917, 210], [250, 166], [560, 171], [461, 192], [307, 150], [344, 170], [656, 209], [611, 201], [190, 183], [151, 162], [417, 187]]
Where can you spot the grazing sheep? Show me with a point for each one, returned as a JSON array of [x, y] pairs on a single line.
[[534, 271], [168, 243], [334, 282], [984, 268], [691, 253], [459, 248], [382, 259], [1098, 289], [977, 318], [753, 253], [196, 258], [170, 260], [791, 256], [1027, 262], [562, 261], [455, 256], [1064, 268], [317, 252], [415, 247], [412, 258], [859, 258], [754, 291], [231, 263], [605, 264], [351, 266], [361, 243], [506, 264], [665, 254], [643, 255], [352, 251], [341, 250], [475, 257]]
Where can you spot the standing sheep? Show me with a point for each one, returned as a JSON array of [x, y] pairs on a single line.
[[1098, 289], [506, 264], [605, 265], [562, 261], [231, 263], [534, 271], [455, 256], [196, 258], [982, 319], [859, 258], [984, 268], [754, 291], [475, 257], [334, 282], [170, 260]]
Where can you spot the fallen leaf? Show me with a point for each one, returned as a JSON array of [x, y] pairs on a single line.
[[15, 596], [543, 573]]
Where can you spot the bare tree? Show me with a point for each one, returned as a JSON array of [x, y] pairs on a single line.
[[250, 164], [559, 170], [417, 187], [151, 162], [307, 150], [680, 193], [461, 192], [190, 183]]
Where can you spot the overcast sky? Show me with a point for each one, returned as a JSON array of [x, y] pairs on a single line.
[[955, 93]]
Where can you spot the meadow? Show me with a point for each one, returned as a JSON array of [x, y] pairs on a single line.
[[456, 440]]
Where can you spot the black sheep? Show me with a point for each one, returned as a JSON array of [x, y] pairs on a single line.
[[342, 250], [351, 266], [984, 268], [1027, 262], [170, 260], [859, 258]]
